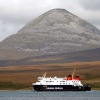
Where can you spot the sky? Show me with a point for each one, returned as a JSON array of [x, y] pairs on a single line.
[[14, 14]]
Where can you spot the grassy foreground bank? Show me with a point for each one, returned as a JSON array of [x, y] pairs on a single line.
[[14, 86], [22, 77]]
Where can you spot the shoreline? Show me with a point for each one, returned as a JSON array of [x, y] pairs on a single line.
[[93, 89]]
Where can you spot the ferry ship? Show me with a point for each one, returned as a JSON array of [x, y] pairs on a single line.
[[68, 83]]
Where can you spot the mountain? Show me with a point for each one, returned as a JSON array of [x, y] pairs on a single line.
[[54, 32]]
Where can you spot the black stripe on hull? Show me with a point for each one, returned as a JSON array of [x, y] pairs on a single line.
[[61, 88]]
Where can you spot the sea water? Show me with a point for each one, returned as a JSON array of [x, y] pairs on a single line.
[[31, 95]]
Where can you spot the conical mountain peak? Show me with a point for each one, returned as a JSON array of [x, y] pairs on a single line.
[[56, 31], [51, 18], [58, 10]]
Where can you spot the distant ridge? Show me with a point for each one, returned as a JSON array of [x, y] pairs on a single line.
[[54, 32], [80, 56]]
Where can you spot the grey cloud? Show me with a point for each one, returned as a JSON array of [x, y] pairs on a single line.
[[8, 28], [90, 4], [16, 13]]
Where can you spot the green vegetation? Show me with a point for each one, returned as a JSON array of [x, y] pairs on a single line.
[[96, 85], [13, 86]]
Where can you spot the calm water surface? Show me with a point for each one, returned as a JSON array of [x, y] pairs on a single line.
[[30, 95]]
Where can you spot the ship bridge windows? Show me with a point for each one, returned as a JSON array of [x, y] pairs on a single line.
[[49, 81], [62, 81]]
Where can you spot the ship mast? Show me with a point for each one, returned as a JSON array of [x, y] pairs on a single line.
[[73, 72], [44, 75]]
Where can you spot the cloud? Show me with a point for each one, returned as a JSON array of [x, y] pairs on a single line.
[[16, 13], [8, 28], [90, 4]]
